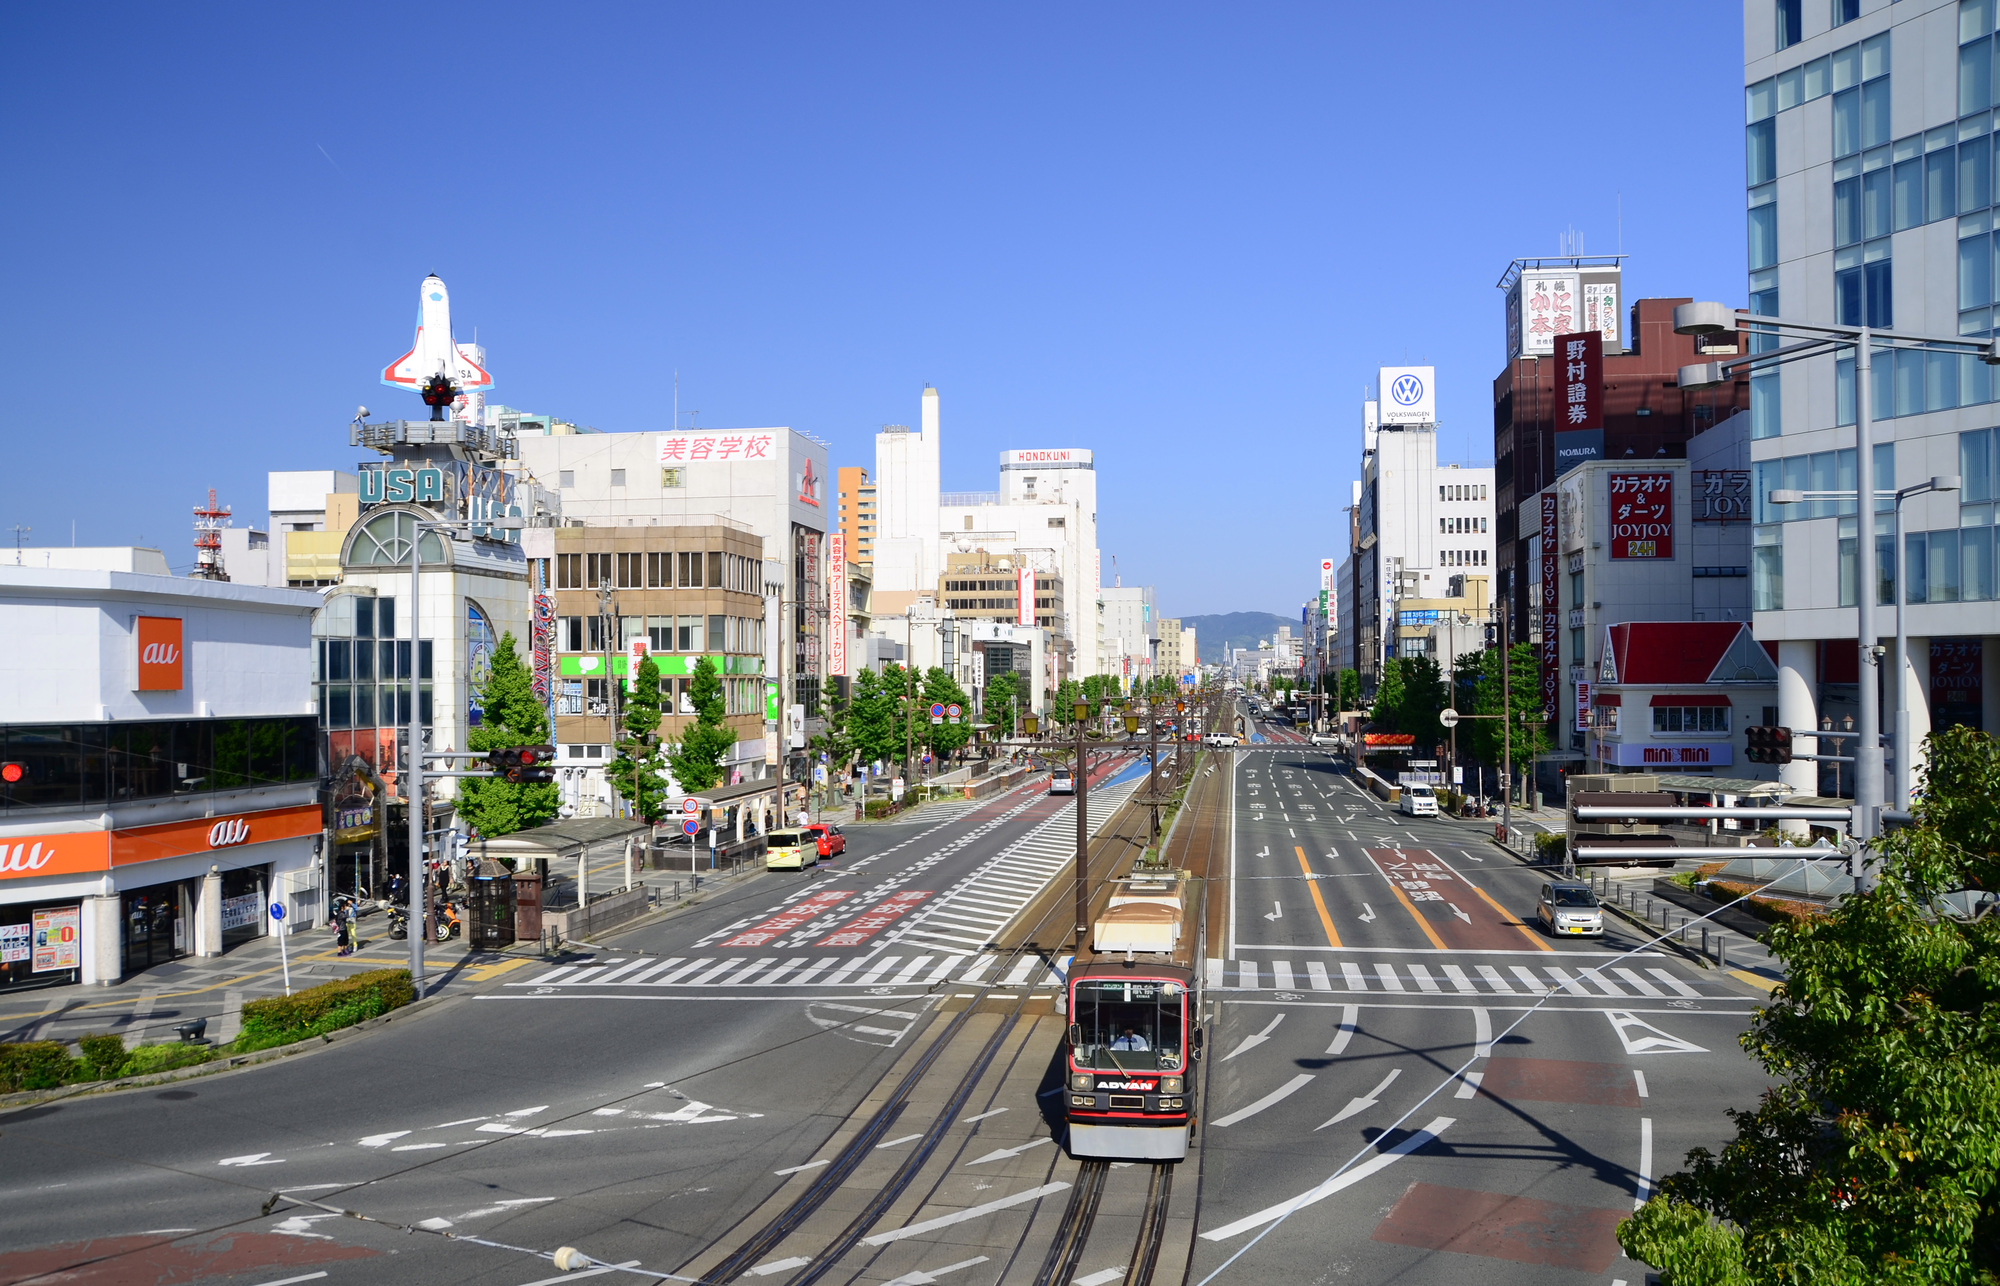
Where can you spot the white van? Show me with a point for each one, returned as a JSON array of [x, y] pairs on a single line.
[[1419, 801]]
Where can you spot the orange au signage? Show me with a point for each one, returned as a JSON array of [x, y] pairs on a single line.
[[79, 852], [72, 853], [162, 654]]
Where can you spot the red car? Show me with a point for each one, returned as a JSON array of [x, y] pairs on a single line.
[[831, 841]]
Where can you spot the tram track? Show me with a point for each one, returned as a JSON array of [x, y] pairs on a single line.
[[841, 1168]]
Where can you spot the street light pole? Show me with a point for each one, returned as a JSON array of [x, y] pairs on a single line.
[[1868, 790], [1506, 719], [1082, 779], [414, 781]]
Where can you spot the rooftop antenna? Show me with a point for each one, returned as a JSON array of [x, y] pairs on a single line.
[[1621, 222], [208, 525], [20, 533]]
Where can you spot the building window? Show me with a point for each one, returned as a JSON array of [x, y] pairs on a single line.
[[1765, 404], [1760, 148], [566, 478], [1791, 22], [673, 479], [617, 477], [1763, 236], [572, 633], [1691, 718], [1845, 11], [1767, 570]]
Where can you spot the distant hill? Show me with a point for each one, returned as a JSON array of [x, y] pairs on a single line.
[[1236, 629]]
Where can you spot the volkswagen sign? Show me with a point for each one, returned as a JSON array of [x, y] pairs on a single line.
[[1409, 395]]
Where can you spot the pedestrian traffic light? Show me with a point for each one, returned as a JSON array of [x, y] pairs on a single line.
[[1765, 744], [524, 765], [13, 773]]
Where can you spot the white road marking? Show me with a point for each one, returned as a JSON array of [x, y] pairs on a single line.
[[894, 1143], [1348, 1020], [588, 1272], [927, 1277], [251, 1158], [502, 1207], [1278, 1095], [779, 1266], [1003, 1153], [1641, 1037], [800, 1169], [1482, 1034], [1366, 1101], [293, 1281], [982, 1116], [1249, 1043], [419, 1147], [1102, 1277], [1460, 914], [1317, 972], [377, 1140], [1640, 1077], [1334, 1183], [1674, 984], [1645, 1161], [1277, 911], [1469, 1084], [963, 1216], [1355, 980]]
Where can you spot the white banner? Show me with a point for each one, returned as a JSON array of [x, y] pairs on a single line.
[[836, 600], [1025, 612]]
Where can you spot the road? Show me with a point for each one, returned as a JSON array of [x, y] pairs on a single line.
[[1381, 1103]]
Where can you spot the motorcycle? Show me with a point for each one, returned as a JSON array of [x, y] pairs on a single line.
[[399, 923], [448, 925]]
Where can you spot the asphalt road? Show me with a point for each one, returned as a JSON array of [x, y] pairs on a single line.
[[640, 1121], [1409, 1082]]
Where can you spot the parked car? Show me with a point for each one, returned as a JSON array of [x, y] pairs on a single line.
[[1418, 801], [1061, 782], [831, 842], [1568, 906]]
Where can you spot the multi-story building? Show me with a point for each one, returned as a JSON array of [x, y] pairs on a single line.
[[1871, 201], [980, 586], [906, 501], [163, 764], [857, 512], [677, 594], [1416, 523], [1167, 657], [1128, 631]]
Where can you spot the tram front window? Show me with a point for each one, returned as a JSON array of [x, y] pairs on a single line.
[[1128, 1026]]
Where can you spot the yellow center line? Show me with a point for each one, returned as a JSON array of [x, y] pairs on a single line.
[[1415, 914], [1507, 917], [1312, 887]]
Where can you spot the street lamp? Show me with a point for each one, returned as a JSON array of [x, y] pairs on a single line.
[[1941, 483], [1817, 340]]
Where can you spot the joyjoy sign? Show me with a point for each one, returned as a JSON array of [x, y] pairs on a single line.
[[1642, 514]]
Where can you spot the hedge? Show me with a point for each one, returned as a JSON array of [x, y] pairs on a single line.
[[280, 1020]]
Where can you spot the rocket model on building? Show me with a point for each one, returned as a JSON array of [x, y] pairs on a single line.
[[435, 367]]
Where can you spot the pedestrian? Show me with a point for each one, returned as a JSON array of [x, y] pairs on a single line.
[[346, 934]]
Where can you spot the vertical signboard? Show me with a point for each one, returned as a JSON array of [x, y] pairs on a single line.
[[1408, 395], [1958, 690], [1642, 514], [1600, 311], [1025, 611], [836, 602], [1551, 617], [1583, 707], [1579, 381], [161, 655], [1541, 306], [58, 938], [542, 649]]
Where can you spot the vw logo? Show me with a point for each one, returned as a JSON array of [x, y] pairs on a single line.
[[233, 831], [1408, 390]]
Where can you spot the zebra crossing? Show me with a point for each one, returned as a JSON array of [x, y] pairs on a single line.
[[886, 969], [1624, 982]]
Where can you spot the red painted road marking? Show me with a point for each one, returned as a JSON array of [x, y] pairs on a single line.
[[787, 920], [1559, 1080], [871, 922], [1497, 1226], [108, 1261]]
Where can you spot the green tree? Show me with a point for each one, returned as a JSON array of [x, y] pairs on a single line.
[[635, 772], [1068, 693], [944, 739], [697, 760], [1387, 714], [1529, 731], [1876, 1156], [872, 723], [1424, 696], [1350, 690], [513, 717], [1002, 698], [834, 743]]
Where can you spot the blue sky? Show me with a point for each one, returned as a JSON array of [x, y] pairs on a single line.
[[1182, 236]]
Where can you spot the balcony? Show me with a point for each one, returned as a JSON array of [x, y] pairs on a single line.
[[390, 434]]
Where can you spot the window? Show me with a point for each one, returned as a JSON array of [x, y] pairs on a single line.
[[572, 633], [1847, 122], [1907, 200], [1056, 522], [673, 479], [1791, 22], [1763, 237], [1767, 570], [1761, 153], [1975, 174], [688, 630], [569, 571], [659, 571], [1875, 112], [617, 477], [1940, 184], [690, 569], [1691, 718], [1875, 199], [1847, 211], [1845, 11], [631, 571], [1765, 421], [715, 571], [566, 478]]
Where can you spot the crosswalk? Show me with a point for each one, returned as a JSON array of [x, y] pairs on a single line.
[[1412, 978], [890, 968]]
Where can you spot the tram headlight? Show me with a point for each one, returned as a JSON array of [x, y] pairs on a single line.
[[1081, 1081], [1170, 1085]]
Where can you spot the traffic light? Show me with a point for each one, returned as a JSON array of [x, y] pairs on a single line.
[[13, 772], [1767, 744], [524, 765]]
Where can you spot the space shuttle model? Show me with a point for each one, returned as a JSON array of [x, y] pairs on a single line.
[[436, 367]]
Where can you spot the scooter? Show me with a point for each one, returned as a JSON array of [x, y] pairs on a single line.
[[399, 923], [448, 926]]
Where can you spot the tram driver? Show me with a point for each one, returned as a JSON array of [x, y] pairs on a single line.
[[1130, 1039]]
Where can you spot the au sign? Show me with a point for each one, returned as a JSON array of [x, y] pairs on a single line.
[[225, 833]]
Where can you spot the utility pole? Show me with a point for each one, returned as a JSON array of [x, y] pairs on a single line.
[[1506, 718], [1153, 767], [1082, 778], [607, 616]]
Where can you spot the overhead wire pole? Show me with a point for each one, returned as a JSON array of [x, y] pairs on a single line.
[[1082, 778]]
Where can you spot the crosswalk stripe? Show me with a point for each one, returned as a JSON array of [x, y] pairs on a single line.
[[1387, 973], [839, 975], [754, 968], [1250, 973], [1425, 983], [1494, 980], [1281, 975], [910, 972], [818, 966], [717, 972], [783, 969], [1317, 972], [1601, 982], [1019, 973], [1355, 981], [658, 967], [685, 971], [882, 966], [1673, 982], [1459, 981], [1535, 985], [1634, 980], [1422, 978], [944, 970], [1569, 984]]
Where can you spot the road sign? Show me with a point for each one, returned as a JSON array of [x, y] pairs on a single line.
[[937, 711], [277, 910], [1448, 717], [954, 710], [1423, 763], [690, 826], [690, 805]]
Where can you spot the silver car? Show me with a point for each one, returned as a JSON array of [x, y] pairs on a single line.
[[1569, 908]]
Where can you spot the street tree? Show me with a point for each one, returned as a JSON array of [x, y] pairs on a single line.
[[1876, 1155], [1387, 714], [635, 772], [1424, 697], [1350, 690], [513, 717], [697, 760], [872, 723], [1002, 698], [1528, 731], [835, 742], [944, 739]]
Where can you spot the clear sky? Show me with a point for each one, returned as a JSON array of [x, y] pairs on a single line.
[[1182, 236]]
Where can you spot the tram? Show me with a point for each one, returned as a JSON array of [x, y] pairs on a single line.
[[1133, 1032]]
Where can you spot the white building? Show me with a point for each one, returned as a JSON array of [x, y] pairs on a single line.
[[1870, 203], [907, 560], [162, 735], [1127, 632]]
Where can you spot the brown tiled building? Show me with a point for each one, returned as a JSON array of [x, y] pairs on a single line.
[[857, 512], [676, 593], [1646, 417]]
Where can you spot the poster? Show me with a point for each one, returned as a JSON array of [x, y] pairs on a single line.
[[15, 943], [1642, 514], [1551, 616], [58, 938]]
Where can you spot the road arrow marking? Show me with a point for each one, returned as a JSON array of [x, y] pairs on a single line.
[[1249, 1042], [1278, 1095], [377, 1140], [1369, 917], [1382, 1160], [1362, 1104], [1460, 914], [1003, 1153], [1641, 1037], [253, 1158], [1277, 912]]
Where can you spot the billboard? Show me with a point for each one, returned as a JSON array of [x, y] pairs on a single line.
[[1551, 617], [1024, 613], [1061, 455], [1542, 305], [158, 646], [1600, 311], [1580, 447], [1408, 394], [1579, 381], [720, 448], [1711, 754], [58, 938], [1642, 514], [836, 600]]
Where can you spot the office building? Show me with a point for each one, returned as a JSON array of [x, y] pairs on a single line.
[[856, 496], [1128, 632], [906, 501]]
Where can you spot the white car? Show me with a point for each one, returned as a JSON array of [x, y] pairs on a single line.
[[1221, 739], [1419, 801], [1062, 782], [1325, 739]]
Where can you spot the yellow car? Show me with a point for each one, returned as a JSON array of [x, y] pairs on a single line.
[[791, 850]]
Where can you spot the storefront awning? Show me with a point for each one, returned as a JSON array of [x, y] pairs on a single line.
[[1690, 699], [1612, 699]]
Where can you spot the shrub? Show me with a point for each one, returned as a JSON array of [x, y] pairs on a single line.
[[1550, 847], [280, 1020], [35, 1065], [103, 1055], [881, 808], [164, 1058]]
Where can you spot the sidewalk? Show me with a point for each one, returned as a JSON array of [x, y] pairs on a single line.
[[146, 1007]]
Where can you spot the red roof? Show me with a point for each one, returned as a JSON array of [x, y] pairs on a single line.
[[1674, 653]]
